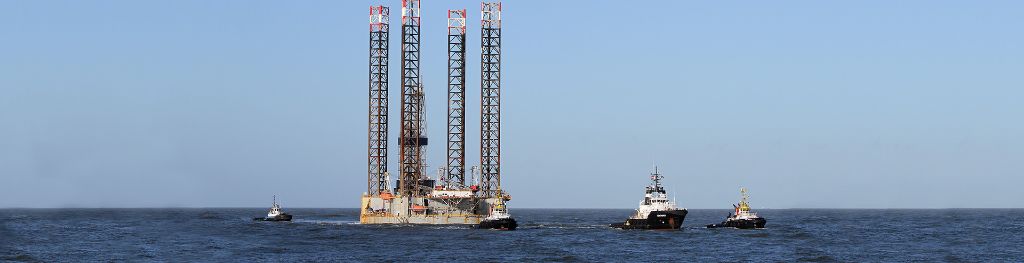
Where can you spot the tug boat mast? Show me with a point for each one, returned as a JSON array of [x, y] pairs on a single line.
[[655, 198], [275, 210], [743, 208]]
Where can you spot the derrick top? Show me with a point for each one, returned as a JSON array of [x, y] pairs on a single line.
[[379, 18], [456, 22], [490, 14], [410, 11]]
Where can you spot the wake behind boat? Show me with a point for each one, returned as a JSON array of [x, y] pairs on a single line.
[[742, 217], [655, 211], [275, 214]]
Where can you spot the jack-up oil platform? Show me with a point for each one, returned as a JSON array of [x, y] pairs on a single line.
[[451, 198]]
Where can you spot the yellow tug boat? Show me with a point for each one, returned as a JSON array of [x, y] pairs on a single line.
[[742, 217]]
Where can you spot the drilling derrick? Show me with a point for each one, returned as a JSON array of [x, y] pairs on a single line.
[[377, 181], [456, 171], [490, 98], [418, 199], [412, 138]]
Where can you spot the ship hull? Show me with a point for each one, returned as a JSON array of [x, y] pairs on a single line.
[[499, 224], [282, 217], [742, 223], [656, 220]]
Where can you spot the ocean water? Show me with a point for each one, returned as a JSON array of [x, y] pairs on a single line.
[[215, 234]]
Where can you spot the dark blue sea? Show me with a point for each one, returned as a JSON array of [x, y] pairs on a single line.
[[219, 235]]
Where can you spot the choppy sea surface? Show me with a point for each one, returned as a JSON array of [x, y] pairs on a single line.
[[221, 234]]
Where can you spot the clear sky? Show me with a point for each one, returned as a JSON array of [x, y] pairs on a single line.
[[847, 104]]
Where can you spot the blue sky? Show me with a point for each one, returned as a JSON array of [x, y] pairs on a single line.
[[856, 104]]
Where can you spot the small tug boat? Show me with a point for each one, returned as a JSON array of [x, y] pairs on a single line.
[[742, 217], [499, 218], [275, 214], [656, 211]]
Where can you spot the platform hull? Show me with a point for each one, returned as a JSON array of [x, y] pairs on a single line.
[[424, 210], [418, 219]]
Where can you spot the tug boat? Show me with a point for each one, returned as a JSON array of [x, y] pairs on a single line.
[[275, 214], [742, 217], [655, 211], [499, 218]]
